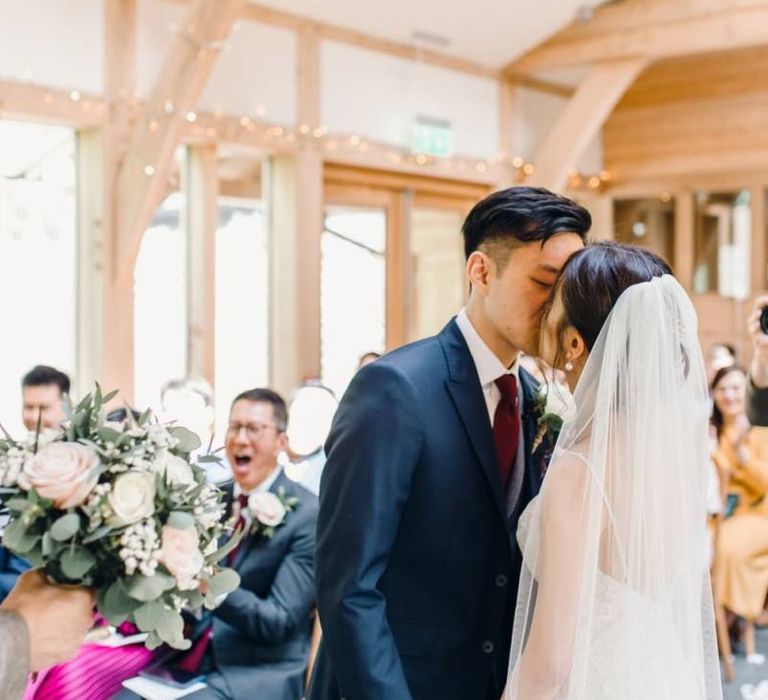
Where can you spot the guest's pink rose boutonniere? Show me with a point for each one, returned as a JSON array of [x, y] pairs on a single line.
[[269, 511]]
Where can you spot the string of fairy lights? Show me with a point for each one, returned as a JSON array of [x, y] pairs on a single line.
[[255, 129]]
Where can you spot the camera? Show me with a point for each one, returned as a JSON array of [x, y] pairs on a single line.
[[764, 320]]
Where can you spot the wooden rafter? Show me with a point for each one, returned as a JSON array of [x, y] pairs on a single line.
[[142, 178], [582, 119], [654, 29]]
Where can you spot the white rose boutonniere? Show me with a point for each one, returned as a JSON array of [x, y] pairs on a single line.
[[269, 511], [554, 405]]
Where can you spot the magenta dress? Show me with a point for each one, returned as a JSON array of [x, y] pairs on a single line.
[[96, 673]]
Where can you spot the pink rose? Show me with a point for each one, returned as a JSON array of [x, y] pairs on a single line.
[[267, 508], [64, 472], [180, 553]]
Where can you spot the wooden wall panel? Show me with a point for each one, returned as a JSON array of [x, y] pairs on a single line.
[[692, 116]]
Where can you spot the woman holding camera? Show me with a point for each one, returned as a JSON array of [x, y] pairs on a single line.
[[742, 464]]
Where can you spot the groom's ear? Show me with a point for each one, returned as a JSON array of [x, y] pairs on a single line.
[[479, 269]]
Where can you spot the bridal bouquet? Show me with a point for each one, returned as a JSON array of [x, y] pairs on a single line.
[[119, 507]]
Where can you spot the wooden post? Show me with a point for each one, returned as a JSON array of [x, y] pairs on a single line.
[[142, 179], [684, 239], [116, 298], [201, 190], [582, 120], [296, 209], [509, 118], [757, 244], [295, 196]]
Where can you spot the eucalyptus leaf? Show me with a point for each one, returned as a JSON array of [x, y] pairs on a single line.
[[223, 582], [181, 520], [188, 441], [109, 435], [225, 549], [153, 641], [76, 562], [209, 459], [65, 527], [97, 534], [170, 628], [49, 545], [18, 539], [18, 504], [147, 615], [115, 603], [146, 588]]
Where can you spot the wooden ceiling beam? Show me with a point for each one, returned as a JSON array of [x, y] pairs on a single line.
[[654, 29], [582, 120], [141, 182]]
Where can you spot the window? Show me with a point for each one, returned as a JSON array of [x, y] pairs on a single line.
[[160, 304], [353, 290], [649, 223], [242, 303], [38, 256], [722, 231], [438, 284]]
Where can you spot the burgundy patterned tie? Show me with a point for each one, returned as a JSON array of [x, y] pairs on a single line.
[[506, 426], [241, 524]]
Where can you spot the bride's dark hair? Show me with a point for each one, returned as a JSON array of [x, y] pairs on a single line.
[[594, 278]]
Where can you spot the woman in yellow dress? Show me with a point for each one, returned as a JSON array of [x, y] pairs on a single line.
[[742, 464]]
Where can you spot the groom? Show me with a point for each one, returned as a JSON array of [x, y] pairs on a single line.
[[429, 467]]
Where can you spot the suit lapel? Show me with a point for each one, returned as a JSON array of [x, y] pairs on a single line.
[[463, 385], [533, 459], [249, 541]]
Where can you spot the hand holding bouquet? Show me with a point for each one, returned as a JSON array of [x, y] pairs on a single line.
[[118, 507]]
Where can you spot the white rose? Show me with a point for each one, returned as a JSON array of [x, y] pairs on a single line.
[[180, 554], [64, 472], [175, 469], [559, 402], [132, 498], [266, 508]]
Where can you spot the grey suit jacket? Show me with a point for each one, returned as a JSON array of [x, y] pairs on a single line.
[[14, 655], [261, 631], [757, 405]]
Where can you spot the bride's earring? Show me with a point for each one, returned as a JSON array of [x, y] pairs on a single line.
[[569, 366]]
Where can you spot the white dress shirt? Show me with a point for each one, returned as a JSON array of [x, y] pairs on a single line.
[[489, 369]]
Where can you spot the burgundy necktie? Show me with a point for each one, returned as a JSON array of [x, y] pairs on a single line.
[[506, 426], [241, 524]]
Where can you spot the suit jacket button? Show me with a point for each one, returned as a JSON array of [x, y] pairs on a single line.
[[501, 580], [487, 647]]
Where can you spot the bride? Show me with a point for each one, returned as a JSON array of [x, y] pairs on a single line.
[[614, 598]]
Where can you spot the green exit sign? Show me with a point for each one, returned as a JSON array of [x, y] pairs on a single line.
[[432, 137]]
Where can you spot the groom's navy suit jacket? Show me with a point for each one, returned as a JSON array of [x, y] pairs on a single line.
[[417, 564]]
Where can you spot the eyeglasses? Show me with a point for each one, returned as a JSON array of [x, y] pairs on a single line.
[[252, 430]]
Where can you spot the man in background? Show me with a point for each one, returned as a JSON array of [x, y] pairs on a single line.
[[44, 391], [189, 403]]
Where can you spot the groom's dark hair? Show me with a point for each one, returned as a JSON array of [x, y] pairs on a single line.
[[513, 217]]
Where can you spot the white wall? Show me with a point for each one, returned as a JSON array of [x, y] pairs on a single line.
[[379, 96], [254, 75], [58, 43], [539, 112]]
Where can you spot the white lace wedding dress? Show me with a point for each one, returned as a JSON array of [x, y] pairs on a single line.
[[659, 669]]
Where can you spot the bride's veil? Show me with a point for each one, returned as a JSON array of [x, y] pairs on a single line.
[[614, 559]]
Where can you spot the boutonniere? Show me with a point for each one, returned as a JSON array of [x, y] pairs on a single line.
[[553, 405], [269, 511]]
